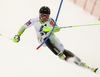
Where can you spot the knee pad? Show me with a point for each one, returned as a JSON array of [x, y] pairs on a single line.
[[66, 54]]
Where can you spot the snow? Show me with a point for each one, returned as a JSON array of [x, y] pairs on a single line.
[[23, 60]]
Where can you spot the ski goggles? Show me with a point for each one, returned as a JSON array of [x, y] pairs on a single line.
[[44, 15]]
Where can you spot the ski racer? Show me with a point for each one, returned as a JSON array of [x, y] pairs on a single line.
[[43, 25]]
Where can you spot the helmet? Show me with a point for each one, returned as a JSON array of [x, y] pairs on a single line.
[[44, 10]]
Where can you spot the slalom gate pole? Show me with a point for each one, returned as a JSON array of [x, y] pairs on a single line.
[[53, 26], [79, 25]]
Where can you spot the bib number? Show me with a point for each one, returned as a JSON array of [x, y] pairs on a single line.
[[41, 30]]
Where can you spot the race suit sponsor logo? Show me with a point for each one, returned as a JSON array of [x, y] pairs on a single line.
[[28, 23]]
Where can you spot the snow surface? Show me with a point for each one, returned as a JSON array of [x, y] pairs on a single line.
[[23, 60]]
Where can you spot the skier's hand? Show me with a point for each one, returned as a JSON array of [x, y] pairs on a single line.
[[47, 29], [16, 38]]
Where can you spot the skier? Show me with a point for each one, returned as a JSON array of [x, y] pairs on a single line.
[[43, 25]]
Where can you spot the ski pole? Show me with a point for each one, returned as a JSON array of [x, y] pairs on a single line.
[[6, 37], [79, 25]]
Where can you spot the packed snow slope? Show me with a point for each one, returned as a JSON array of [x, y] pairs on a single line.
[[23, 60]]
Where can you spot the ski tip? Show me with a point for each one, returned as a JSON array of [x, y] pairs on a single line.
[[95, 70], [38, 47]]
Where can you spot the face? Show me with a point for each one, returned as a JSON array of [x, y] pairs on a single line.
[[44, 17]]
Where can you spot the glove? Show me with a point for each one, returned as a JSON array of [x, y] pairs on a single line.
[[47, 29], [16, 38]]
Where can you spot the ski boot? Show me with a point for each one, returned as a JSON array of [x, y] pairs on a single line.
[[85, 66]]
